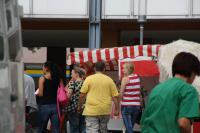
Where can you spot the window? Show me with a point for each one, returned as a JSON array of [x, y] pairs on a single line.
[[63, 7], [26, 5], [7, 1], [1, 48], [164, 7], [1, 38], [9, 19], [14, 45], [196, 9], [117, 7]]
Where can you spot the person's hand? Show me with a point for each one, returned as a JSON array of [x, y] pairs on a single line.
[[37, 92], [116, 113], [141, 103], [79, 110], [120, 97]]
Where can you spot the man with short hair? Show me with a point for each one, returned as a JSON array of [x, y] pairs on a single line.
[[99, 90], [173, 103]]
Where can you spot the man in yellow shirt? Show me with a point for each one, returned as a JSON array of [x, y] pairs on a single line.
[[99, 90]]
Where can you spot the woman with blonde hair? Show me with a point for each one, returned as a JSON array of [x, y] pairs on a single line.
[[130, 96], [76, 120]]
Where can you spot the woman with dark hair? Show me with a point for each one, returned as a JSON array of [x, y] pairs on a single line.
[[48, 85]]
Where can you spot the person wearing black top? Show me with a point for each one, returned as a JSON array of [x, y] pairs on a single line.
[[48, 85]]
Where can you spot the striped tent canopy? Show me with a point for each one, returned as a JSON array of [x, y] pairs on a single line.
[[111, 55]]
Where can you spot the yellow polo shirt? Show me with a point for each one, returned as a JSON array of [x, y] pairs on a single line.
[[100, 89]]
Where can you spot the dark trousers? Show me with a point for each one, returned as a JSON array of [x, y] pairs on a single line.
[[76, 122]]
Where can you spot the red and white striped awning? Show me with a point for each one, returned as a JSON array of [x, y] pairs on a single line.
[[111, 55], [108, 54]]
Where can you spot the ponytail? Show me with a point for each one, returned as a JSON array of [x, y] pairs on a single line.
[[55, 74]]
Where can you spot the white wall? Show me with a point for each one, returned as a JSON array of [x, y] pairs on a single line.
[[71, 7], [55, 7], [26, 5], [196, 7], [165, 7], [119, 9]]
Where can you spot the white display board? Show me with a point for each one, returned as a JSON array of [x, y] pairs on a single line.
[[117, 7], [164, 7], [26, 6], [64, 7], [4, 77], [196, 7], [35, 55]]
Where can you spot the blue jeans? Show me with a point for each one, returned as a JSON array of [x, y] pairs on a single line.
[[129, 115], [47, 112], [76, 122]]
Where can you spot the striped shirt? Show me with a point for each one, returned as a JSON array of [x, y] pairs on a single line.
[[131, 96]]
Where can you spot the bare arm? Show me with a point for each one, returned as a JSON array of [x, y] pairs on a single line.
[[41, 86], [184, 125], [68, 90], [123, 85], [116, 102], [81, 101]]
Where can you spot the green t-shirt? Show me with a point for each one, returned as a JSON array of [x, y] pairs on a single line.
[[168, 102]]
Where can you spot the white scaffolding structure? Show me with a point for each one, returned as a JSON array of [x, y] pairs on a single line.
[[11, 70]]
